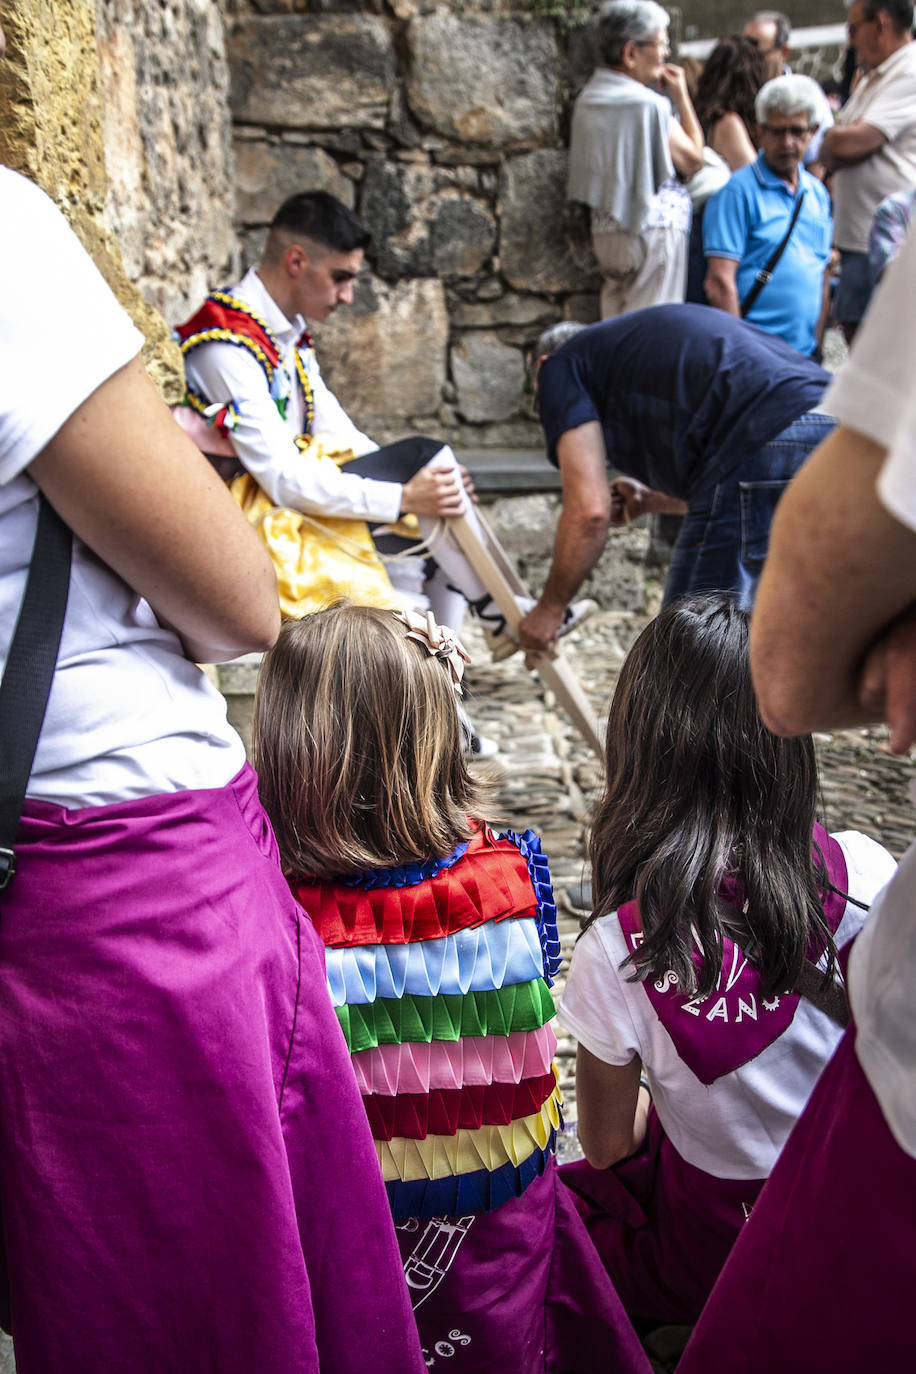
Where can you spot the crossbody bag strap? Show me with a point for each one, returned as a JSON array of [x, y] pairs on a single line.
[[766, 273], [29, 672]]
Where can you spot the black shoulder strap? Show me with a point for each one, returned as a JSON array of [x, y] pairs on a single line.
[[29, 671], [766, 273]]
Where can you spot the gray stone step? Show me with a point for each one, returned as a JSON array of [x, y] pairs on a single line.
[[509, 471]]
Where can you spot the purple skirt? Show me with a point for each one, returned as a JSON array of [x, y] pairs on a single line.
[[187, 1178], [663, 1227], [518, 1290], [822, 1275]]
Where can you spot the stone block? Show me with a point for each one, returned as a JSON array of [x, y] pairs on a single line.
[[267, 171], [507, 310], [489, 377], [485, 79], [311, 71], [422, 224], [384, 358], [535, 250]]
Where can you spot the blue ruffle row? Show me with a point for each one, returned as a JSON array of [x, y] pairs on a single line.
[[529, 846], [459, 1195], [494, 955], [404, 875]]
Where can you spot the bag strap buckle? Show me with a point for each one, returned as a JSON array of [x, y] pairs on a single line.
[[7, 868]]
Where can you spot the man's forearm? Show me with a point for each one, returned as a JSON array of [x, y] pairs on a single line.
[[578, 545], [846, 146], [722, 294]]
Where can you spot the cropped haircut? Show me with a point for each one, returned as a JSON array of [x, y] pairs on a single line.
[[781, 21], [788, 95], [732, 75], [900, 12], [323, 219], [623, 21], [358, 746], [697, 789]]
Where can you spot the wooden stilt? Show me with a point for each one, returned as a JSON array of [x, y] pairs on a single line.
[[495, 570]]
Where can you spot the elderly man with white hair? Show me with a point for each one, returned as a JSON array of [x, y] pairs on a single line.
[[626, 148], [767, 233]]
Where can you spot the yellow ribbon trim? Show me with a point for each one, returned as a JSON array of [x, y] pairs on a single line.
[[488, 1147]]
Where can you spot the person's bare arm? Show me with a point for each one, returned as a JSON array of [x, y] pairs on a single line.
[[129, 482], [685, 139], [729, 138], [581, 532], [847, 144], [839, 573], [721, 285], [612, 1108]]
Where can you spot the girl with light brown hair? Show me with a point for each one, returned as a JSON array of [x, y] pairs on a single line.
[[441, 946]]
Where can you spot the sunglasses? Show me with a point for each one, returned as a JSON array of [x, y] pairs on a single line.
[[793, 130]]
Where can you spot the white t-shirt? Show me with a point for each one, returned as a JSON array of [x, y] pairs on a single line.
[[128, 715], [886, 99], [736, 1126], [875, 394]]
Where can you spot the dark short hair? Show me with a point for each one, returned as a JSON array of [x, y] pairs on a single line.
[[324, 219], [900, 12], [782, 24]]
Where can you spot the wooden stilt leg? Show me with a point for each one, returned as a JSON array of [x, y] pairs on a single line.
[[492, 565]]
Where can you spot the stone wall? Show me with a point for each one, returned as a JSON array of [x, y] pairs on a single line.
[[170, 196], [51, 130], [445, 126]]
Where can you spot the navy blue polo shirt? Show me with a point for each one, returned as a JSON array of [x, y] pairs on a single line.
[[683, 393]]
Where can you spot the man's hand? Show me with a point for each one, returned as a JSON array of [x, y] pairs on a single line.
[[434, 491], [887, 687], [631, 499], [539, 630]]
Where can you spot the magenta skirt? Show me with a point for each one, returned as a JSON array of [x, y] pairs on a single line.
[[519, 1290], [821, 1277], [187, 1178], [663, 1227]]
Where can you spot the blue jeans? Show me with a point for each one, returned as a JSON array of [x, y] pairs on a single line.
[[723, 541]]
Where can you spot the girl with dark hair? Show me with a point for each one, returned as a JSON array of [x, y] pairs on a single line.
[[709, 967], [441, 945]]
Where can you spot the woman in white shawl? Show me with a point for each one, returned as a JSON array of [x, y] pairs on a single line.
[[627, 151]]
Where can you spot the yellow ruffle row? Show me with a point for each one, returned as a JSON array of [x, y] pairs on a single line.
[[317, 558], [488, 1147]]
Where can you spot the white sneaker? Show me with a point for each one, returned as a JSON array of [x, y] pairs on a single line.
[[501, 641]]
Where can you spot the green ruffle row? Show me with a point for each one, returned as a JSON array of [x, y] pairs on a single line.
[[391, 1020]]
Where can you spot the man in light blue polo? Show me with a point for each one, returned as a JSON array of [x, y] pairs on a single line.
[[745, 223]]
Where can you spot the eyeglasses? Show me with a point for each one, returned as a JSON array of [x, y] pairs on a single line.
[[793, 130], [662, 44]]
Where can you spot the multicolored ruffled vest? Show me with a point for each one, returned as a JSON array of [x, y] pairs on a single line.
[[440, 975], [224, 319]]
